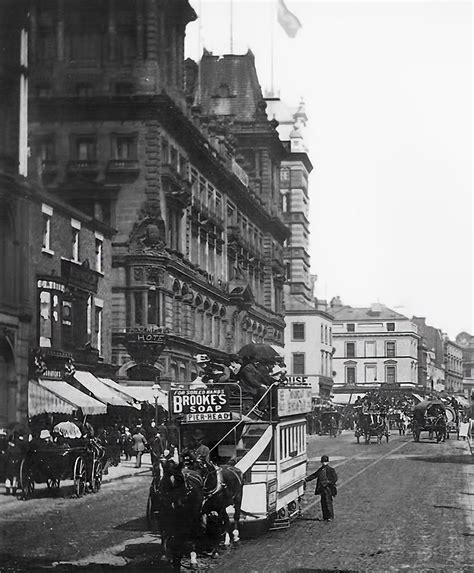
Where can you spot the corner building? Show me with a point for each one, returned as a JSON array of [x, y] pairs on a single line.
[[114, 134]]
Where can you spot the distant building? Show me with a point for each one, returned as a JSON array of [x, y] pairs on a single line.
[[308, 333], [375, 347], [453, 360], [431, 356], [466, 341]]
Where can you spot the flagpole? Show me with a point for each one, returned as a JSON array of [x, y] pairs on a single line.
[[272, 34], [231, 26]]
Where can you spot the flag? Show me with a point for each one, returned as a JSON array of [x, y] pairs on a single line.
[[287, 20]]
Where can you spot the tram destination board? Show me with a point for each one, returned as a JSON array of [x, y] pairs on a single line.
[[294, 400], [200, 405]]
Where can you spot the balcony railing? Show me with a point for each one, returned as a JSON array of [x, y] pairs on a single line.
[[123, 166], [84, 166]]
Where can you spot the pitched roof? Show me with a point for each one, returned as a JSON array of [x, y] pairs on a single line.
[[380, 312], [229, 86]]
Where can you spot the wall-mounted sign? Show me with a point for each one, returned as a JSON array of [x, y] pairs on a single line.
[[79, 276], [200, 404], [147, 335], [293, 401], [297, 379]]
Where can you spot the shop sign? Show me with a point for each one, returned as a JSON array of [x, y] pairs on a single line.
[[200, 404], [80, 276], [293, 401]]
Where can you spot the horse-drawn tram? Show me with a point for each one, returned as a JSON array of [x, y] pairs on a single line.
[[229, 465], [270, 453]]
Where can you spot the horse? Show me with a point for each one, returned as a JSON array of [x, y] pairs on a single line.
[[223, 487], [179, 500]]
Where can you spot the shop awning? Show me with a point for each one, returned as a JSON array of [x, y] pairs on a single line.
[[41, 400], [145, 394], [346, 398], [120, 388], [73, 396], [100, 390]]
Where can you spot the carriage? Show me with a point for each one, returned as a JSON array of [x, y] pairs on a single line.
[[53, 463], [331, 422], [429, 416], [372, 424]]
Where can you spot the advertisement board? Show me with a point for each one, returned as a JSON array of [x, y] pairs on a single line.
[[200, 404], [293, 401]]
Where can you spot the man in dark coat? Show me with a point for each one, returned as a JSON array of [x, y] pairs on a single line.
[[325, 487], [255, 382]]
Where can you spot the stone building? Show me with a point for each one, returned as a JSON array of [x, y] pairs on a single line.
[[431, 355], [453, 360], [466, 341], [308, 334], [197, 256], [374, 347]]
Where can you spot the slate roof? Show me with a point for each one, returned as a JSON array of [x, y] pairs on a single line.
[[348, 313], [229, 86]]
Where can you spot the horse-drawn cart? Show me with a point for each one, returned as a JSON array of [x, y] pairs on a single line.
[[55, 463], [429, 416], [371, 424]]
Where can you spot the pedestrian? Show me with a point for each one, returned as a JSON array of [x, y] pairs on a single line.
[[139, 446], [326, 477]]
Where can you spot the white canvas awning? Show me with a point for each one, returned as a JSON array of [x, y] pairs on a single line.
[[100, 390], [145, 394], [41, 401], [74, 397]]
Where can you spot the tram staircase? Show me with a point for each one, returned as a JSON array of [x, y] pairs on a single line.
[[254, 439]]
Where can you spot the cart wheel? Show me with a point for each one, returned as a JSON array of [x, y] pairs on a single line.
[[52, 484], [27, 483], [79, 477], [96, 476]]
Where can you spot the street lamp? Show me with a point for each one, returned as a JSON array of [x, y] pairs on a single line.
[[156, 389]]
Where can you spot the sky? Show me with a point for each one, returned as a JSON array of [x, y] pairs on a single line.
[[388, 93]]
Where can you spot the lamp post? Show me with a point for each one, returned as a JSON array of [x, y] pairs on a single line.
[[156, 392]]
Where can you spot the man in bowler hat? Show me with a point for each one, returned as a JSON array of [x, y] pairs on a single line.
[[326, 477]]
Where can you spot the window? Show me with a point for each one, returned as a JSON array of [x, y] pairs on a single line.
[[350, 327], [46, 149], [125, 147], [97, 341], [85, 148], [47, 216], [322, 333], [49, 326], [370, 349], [285, 202], [284, 175], [298, 330], [138, 302], [350, 375], [391, 326], [370, 372], [350, 350], [326, 336], [390, 374], [298, 363], [390, 349], [99, 252], [76, 229]]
